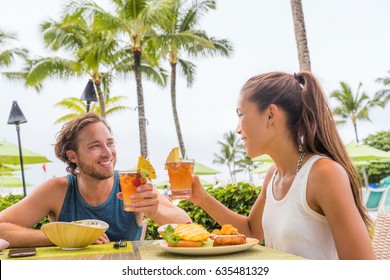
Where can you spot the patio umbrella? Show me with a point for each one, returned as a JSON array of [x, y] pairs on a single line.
[[201, 169], [11, 182], [360, 153], [9, 154], [263, 167], [263, 158], [8, 169]]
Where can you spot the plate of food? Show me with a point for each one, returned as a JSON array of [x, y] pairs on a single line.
[[194, 239]]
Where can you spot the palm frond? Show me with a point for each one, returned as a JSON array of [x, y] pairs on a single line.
[[117, 109], [66, 118], [39, 69], [156, 74], [194, 13], [72, 104], [188, 69], [7, 57], [383, 95]]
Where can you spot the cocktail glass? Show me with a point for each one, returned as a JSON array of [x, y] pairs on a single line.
[[129, 181], [180, 177]]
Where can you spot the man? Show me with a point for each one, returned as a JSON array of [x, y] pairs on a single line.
[[91, 191]]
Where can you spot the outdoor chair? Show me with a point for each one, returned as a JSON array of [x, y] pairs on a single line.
[[381, 239], [374, 198]]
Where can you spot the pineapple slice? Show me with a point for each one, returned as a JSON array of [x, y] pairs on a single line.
[[174, 155], [146, 168]]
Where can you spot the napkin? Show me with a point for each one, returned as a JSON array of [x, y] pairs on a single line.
[[3, 244]]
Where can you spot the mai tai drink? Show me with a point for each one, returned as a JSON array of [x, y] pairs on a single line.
[[129, 181], [180, 177]]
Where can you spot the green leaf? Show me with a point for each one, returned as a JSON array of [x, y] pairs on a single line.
[[169, 235]]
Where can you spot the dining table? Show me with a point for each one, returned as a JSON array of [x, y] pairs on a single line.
[[147, 250]]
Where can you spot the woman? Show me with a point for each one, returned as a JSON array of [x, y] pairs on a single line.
[[310, 204]]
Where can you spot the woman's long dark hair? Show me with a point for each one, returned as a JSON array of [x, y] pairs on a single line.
[[309, 119]]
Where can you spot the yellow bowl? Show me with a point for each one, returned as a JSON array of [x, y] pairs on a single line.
[[74, 235]]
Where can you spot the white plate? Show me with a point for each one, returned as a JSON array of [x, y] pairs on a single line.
[[199, 251], [161, 229]]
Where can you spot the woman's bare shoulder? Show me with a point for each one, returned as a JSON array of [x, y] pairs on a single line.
[[329, 177], [327, 169]]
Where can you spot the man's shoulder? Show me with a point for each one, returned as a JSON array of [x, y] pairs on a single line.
[[56, 183], [59, 180]]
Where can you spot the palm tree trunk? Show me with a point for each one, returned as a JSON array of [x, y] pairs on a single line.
[[141, 105], [300, 35], [101, 99], [250, 174], [230, 173], [356, 133], [174, 110]]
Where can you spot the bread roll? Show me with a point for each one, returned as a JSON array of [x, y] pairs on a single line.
[[224, 240]]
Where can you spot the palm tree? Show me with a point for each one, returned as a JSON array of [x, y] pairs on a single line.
[[246, 164], [179, 35], [76, 107], [384, 93], [135, 20], [353, 107], [91, 52], [229, 153], [8, 55], [300, 35]]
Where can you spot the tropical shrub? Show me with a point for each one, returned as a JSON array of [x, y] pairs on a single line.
[[238, 197], [378, 170], [11, 199], [7, 201], [151, 232]]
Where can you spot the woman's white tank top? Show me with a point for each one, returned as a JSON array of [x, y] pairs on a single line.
[[292, 226]]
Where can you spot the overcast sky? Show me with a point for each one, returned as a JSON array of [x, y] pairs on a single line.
[[347, 41]]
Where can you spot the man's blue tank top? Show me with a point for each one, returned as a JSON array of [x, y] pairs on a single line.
[[122, 224]]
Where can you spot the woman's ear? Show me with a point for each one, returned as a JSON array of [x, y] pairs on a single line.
[[272, 113]]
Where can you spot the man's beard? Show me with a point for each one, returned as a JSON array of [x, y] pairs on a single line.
[[100, 174]]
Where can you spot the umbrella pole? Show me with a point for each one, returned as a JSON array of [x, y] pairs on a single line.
[[21, 159]]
